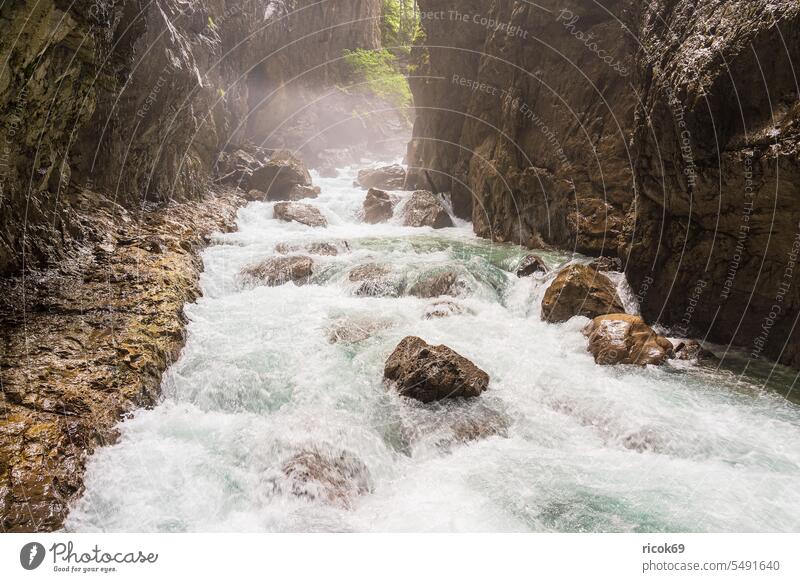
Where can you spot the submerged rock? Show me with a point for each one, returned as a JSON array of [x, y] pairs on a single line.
[[580, 290], [428, 373], [279, 175], [387, 177], [529, 265], [442, 309], [378, 206], [376, 281], [354, 330], [330, 249], [298, 212], [425, 209], [279, 270], [693, 350], [437, 284], [333, 477], [626, 339]]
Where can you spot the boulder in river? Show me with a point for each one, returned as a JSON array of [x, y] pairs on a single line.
[[428, 373], [529, 265], [330, 249], [276, 271], [355, 329], [580, 290], [425, 209], [378, 206], [236, 168], [298, 212], [333, 477], [387, 177], [437, 284], [444, 308], [626, 339], [279, 175], [299, 192], [375, 280]]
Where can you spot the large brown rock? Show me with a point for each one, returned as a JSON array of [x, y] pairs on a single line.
[[425, 209], [298, 212], [580, 290], [626, 339], [388, 177], [280, 175], [276, 271], [378, 206], [428, 373], [332, 477]]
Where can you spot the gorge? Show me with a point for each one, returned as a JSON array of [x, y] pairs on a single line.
[[194, 341]]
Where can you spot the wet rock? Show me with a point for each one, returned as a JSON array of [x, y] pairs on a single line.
[[236, 168], [626, 339], [529, 265], [607, 264], [375, 281], [425, 209], [693, 350], [298, 212], [354, 330], [480, 424], [280, 270], [299, 192], [428, 373], [333, 477], [437, 284], [378, 206], [442, 309], [387, 177], [330, 249], [278, 176], [255, 196], [580, 290]]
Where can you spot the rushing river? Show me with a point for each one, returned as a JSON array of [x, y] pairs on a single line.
[[579, 447]]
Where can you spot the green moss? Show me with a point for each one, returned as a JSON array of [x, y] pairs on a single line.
[[377, 72]]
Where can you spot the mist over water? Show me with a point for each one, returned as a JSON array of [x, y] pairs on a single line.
[[578, 447]]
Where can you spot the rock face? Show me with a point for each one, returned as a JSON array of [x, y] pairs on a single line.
[[378, 206], [580, 290], [626, 339], [302, 213], [424, 209], [336, 478], [280, 270], [283, 177], [98, 332], [529, 265], [676, 161], [428, 373], [388, 177]]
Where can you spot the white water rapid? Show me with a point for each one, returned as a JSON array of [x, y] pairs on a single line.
[[579, 447]]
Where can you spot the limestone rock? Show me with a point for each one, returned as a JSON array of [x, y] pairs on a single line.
[[428, 373], [425, 209], [378, 206], [626, 339], [276, 271], [299, 212], [580, 290], [387, 177]]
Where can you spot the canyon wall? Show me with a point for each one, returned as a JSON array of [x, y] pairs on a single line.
[[663, 133], [136, 99]]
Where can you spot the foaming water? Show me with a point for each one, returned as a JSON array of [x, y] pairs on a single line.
[[566, 445]]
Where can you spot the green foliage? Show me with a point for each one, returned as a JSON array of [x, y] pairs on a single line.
[[379, 73], [400, 24]]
